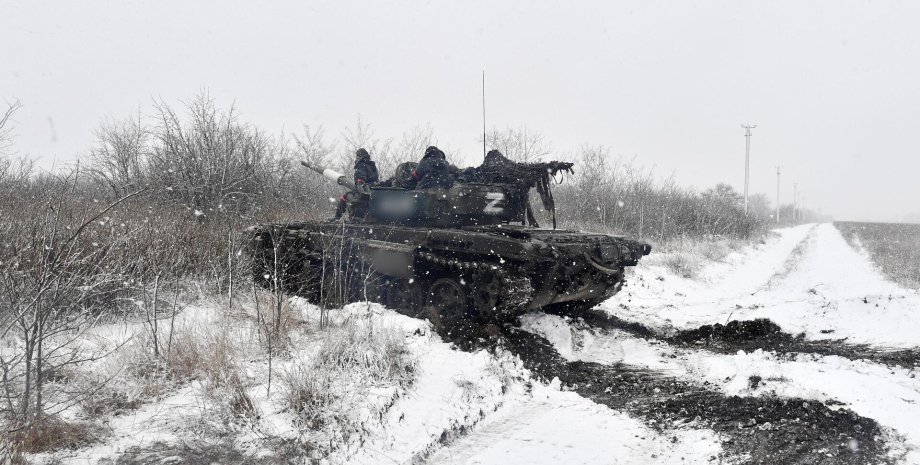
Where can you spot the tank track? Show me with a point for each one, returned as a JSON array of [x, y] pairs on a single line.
[[494, 288]]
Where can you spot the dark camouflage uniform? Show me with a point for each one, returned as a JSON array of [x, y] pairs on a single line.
[[433, 170], [365, 173]]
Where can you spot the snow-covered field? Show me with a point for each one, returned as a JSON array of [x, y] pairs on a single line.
[[488, 406]]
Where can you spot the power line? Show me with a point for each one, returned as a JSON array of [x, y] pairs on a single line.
[[747, 161], [777, 193]]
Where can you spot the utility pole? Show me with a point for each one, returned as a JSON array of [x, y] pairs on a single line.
[[777, 195], [803, 204], [747, 161], [795, 201]]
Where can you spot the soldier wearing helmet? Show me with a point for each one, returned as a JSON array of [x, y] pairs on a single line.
[[365, 174], [434, 170]]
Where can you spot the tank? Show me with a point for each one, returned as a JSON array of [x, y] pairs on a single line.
[[455, 255]]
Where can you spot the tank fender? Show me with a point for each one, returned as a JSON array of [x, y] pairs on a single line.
[[599, 267]]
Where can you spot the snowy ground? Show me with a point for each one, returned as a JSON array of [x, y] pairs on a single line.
[[808, 280], [553, 427], [494, 406], [461, 400]]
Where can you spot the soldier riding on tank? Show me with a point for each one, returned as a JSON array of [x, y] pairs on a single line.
[[365, 175], [434, 170]]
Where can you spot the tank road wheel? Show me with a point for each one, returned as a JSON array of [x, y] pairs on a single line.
[[447, 305]]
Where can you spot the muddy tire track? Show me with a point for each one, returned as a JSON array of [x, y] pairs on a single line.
[[750, 335], [761, 430]]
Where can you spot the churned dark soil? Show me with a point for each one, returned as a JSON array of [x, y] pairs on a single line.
[[767, 430], [750, 335]]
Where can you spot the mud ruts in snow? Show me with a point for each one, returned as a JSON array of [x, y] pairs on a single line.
[[769, 410], [888, 395]]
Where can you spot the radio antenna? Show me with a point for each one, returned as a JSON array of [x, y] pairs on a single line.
[[483, 114]]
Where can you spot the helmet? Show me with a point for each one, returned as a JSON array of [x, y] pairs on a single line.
[[433, 151]]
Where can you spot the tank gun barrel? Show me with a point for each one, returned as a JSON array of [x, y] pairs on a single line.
[[334, 176]]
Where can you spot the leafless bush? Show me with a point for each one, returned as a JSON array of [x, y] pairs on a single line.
[[209, 161], [682, 264], [519, 144], [327, 389], [119, 157], [274, 316], [6, 129], [57, 265]]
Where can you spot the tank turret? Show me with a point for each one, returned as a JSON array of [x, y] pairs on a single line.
[[463, 204]]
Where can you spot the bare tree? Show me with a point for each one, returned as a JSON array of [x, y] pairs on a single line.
[[212, 162], [6, 131], [519, 144], [311, 191], [411, 147], [118, 160]]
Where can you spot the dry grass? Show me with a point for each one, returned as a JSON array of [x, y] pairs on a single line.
[[274, 322], [686, 265], [53, 434], [207, 352], [327, 389], [211, 355], [687, 256], [224, 452], [894, 248]]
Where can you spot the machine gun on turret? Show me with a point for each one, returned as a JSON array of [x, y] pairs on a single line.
[[496, 168]]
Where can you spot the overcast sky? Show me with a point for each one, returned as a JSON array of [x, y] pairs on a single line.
[[834, 86]]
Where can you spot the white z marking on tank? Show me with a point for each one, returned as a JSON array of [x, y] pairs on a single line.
[[494, 199]]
